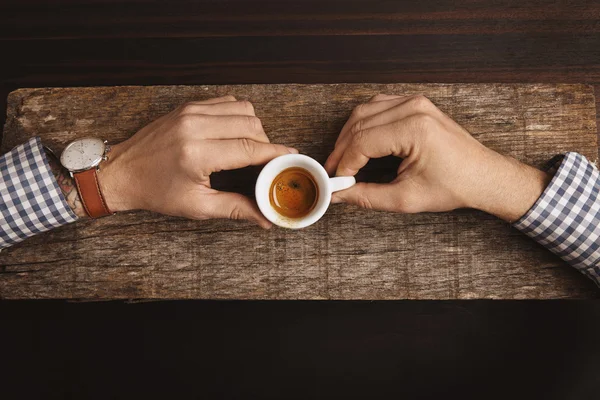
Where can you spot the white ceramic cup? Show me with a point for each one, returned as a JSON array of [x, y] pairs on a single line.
[[325, 184]]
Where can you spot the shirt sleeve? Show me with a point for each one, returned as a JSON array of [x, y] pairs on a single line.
[[566, 217], [31, 201]]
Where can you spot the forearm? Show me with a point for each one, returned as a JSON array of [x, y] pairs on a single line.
[[508, 188], [560, 211]]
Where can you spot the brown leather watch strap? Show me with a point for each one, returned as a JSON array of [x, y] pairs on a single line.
[[91, 196]]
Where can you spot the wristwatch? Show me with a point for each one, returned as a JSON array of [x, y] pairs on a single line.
[[82, 158]]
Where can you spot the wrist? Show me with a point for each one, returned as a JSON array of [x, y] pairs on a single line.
[[509, 188], [114, 182]]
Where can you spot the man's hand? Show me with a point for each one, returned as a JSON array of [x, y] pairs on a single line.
[[166, 166], [443, 166]]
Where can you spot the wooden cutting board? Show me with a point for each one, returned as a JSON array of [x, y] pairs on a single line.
[[349, 254]]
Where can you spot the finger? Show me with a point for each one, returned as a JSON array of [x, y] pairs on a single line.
[[233, 206], [392, 139], [239, 153], [214, 100], [373, 196], [359, 113], [223, 127], [224, 108], [383, 96], [176, 112], [406, 108], [370, 109], [366, 111]]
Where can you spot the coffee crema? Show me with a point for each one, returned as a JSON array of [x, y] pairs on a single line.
[[294, 193]]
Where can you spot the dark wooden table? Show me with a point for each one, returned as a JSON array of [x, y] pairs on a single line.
[[412, 349]]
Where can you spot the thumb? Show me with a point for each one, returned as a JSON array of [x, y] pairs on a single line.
[[373, 196], [233, 206]]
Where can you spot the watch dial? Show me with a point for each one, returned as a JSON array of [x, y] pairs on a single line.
[[82, 154]]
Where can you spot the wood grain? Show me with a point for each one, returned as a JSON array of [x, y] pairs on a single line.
[[349, 254], [511, 57], [65, 19], [150, 42]]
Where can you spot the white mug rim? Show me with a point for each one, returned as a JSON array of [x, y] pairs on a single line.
[[281, 163]]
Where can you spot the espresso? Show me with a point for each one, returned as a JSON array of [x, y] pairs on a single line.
[[294, 193]]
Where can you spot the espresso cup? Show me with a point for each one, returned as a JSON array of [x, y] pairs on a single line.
[[325, 185]]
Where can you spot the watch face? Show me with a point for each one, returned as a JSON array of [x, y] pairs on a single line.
[[82, 154]]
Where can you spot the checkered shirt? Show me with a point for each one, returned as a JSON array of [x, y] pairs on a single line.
[[566, 217], [31, 201]]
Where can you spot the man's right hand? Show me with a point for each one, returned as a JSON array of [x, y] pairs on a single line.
[[166, 166], [443, 166]]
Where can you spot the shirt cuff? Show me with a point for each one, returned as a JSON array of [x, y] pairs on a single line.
[[31, 201], [566, 217]]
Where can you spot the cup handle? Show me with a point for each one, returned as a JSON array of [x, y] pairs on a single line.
[[341, 182]]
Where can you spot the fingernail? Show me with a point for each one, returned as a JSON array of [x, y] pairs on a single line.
[[344, 172], [335, 199], [266, 225], [291, 150]]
